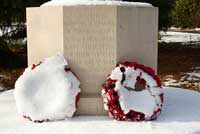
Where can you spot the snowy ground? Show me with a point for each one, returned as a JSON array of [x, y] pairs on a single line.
[[1, 88], [2, 77], [187, 79], [181, 115], [179, 37]]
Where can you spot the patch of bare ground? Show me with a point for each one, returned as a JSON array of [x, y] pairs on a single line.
[[179, 65]]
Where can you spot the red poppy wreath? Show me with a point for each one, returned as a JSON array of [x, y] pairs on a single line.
[[47, 91], [132, 92]]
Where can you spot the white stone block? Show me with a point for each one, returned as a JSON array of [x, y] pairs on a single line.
[[93, 39]]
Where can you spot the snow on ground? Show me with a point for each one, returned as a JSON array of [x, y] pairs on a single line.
[[1, 88], [170, 81], [95, 2], [193, 75], [179, 37], [181, 115], [187, 79], [1, 33], [2, 78]]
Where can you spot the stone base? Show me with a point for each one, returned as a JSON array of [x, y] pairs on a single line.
[[93, 39], [91, 105]]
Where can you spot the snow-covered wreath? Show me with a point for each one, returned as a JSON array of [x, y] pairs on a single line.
[[47, 91], [132, 92]]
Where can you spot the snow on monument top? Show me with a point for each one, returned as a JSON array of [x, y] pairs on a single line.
[[95, 2]]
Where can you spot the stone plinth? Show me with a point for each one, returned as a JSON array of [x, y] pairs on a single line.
[[93, 39]]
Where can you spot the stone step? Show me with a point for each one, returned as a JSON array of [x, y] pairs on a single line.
[[90, 104]]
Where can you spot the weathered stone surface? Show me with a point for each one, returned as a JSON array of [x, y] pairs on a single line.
[[93, 39]]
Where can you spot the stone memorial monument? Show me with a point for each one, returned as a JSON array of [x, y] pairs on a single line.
[[93, 36]]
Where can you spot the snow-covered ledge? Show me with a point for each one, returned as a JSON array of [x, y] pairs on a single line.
[[95, 2], [94, 36]]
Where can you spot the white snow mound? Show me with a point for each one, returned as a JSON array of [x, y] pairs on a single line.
[[47, 91], [95, 2]]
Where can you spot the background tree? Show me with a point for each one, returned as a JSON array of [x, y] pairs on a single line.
[[13, 31], [12, 17], [186, 13], [165, 7]]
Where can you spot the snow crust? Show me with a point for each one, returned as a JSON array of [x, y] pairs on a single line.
[[180, 115], [194, 74], [95, 2], [138, 101], [48, 91], [187, 79], [1, 88], [179, 37]]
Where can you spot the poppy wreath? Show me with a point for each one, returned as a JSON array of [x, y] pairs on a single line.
[[132, 92], [47, 91]]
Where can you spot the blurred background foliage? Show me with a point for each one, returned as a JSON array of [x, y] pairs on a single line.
[[13, 17], [186, 13], [165, 8], [13, 31]]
